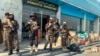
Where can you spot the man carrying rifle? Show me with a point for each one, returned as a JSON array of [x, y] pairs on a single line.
[[5, 30], [56, 31], [64, 36], [13, 34], [32, 26], [49, 34]]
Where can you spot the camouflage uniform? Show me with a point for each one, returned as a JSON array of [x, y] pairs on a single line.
[[13, 36], [49, 35], [56, 32], [64, 36], [5, 25], [33, 27]]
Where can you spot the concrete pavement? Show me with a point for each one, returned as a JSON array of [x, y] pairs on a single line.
[[24, 50]]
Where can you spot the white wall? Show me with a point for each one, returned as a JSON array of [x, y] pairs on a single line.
[[12, 6]]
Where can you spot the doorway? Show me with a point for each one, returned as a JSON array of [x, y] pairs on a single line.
[[42, 20]]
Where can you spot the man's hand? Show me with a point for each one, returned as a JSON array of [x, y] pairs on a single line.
[[36, 27], [29, 22], [50, 24]]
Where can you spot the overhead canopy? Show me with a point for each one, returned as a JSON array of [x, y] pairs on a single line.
[[69, 9], [92, 6]]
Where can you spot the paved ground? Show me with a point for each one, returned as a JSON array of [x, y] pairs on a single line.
[[24, 46]]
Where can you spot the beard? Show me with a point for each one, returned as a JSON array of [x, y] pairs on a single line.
[[33, 19], [64, 25]]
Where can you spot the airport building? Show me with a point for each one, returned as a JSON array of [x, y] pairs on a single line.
[[82, 16]]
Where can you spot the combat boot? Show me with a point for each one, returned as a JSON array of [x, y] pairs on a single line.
[[36, 49], [10, 52], [17, 51], [63, 48], [31, 49]]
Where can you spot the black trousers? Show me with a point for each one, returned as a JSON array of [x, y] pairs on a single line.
[[33, 39], [49, 41]]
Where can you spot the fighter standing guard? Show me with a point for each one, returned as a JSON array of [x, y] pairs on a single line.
[[33, 28], [64, 36], [13, 35], [56, 31], [49, 34], [5, 30]]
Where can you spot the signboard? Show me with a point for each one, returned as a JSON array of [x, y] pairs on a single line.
[[42, 4]]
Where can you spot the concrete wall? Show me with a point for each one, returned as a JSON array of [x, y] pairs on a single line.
[[15, 7]]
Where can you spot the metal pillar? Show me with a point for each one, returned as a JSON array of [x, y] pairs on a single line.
[[58, 14], [84, 23], [41, 23], [98, 25]]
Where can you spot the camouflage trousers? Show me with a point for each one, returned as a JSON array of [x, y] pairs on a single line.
[[5, 38], [64, 40], [33, 39], [49, 40], [13, 41]]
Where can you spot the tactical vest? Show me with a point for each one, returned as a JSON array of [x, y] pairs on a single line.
[[50, 29], [64, 31], [14, 25], [56, 29], [33, 26]]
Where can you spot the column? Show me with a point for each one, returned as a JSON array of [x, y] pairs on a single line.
[[58, 14], [84, 23], [98, 25]]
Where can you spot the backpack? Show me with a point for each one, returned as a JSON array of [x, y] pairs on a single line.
[[74, 48]]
